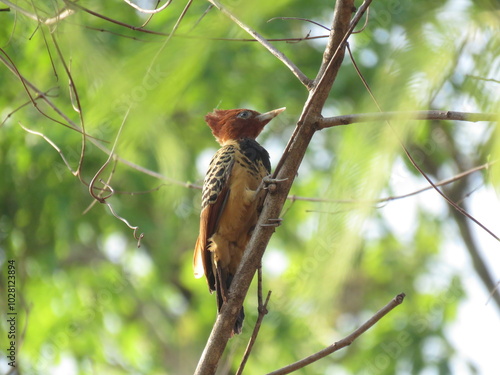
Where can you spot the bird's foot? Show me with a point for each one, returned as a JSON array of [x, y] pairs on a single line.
[[268, 183]]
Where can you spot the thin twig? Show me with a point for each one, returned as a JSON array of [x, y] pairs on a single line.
[[107, 187], [330, 56], [259, 286], [73, 126], [210, 6], [482, 78], [329, 122], [265, 43], [414, 163], [299, 19], [367, 18], [49, 141], [262, 313], [37, 97], [7, 61], [174, 29], [63, 13], [396, 301], [153, 32], [77, 103], [322, 84], [396, 197], [138, 237], [145, 23], [493, 292], [98, 197]]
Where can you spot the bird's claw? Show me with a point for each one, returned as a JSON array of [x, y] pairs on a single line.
[[270, 183], [273, 222]]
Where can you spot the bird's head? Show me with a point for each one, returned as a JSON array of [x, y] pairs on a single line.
[[233, 124]]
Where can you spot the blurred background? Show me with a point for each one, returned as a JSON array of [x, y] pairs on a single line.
[[89, 301]]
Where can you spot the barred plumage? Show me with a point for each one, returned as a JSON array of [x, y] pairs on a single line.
[[230, 205]]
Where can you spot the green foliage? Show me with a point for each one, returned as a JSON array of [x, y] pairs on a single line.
[[87, 296]]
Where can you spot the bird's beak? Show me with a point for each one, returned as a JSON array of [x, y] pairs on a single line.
[[268, 116]]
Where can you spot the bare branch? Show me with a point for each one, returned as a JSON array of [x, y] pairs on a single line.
[[262, 313], [286, 171], [27, 84], [367, 18], [91, 185], [49, 141], [174, 29], [265, 43], [480, 264], [338, 37], [329, 122], [138, 237], [99, 198], [394, 197], [483, 79], [396, 301], [340, 31], [417, 167], [76, 105], [63, 13], [37, 97], [299, 19], [44, 96]]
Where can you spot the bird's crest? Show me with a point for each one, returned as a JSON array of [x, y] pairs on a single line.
[[234, 124]]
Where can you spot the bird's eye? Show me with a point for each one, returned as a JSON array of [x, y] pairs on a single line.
[[244, 114]]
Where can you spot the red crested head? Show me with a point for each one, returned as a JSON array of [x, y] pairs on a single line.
[[233, 124]]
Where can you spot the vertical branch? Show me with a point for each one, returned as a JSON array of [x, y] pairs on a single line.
[[274, 202], [340, 31]]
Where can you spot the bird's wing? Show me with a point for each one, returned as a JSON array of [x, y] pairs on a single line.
[[214, 197]]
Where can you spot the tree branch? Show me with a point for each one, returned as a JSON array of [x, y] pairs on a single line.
[[391, 198], [262, 313], [396, 301], [265, 43], [286, 171], [407, 115], [62, 14], [480, 265]]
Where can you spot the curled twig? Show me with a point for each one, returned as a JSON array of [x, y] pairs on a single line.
[[134, 228], [107, 187]]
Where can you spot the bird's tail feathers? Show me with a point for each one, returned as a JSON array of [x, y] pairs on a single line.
[[198, 267], [222, 285]]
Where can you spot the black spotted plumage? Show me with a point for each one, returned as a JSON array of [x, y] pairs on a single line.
[[255, 153], [217, 175], [231, 198]]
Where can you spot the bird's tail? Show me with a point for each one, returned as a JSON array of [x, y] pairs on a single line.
[[222, 284]]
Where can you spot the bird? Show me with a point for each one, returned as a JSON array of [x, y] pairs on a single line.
[[231, 204]]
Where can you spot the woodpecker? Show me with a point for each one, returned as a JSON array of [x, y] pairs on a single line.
[[230, 204]]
